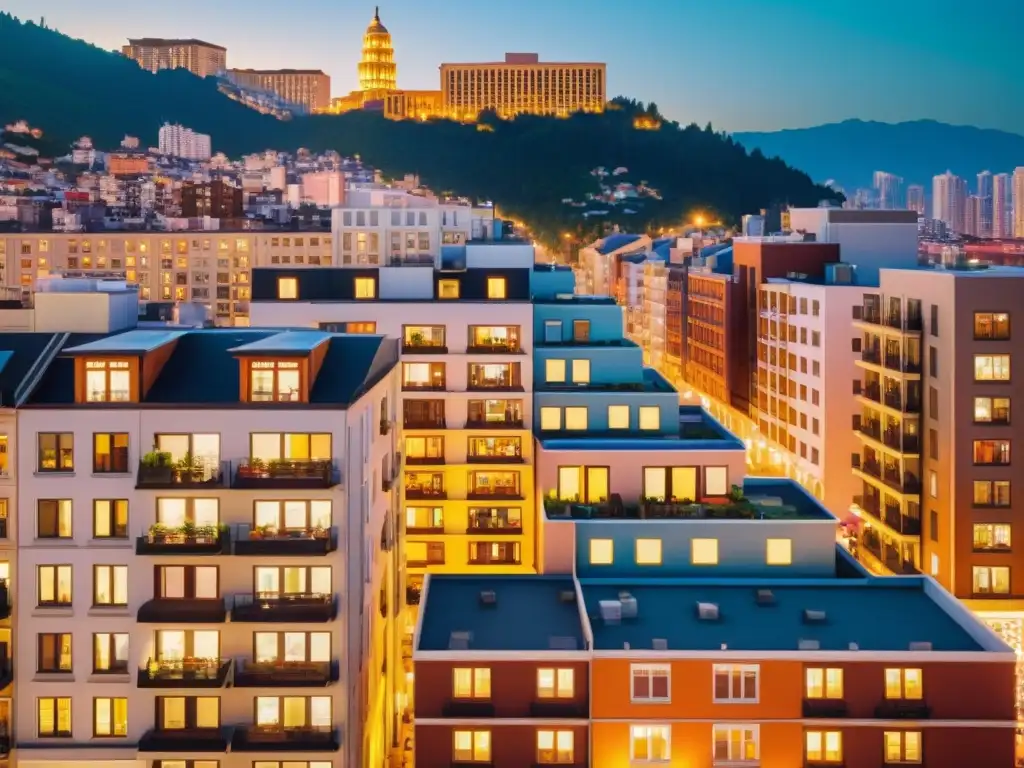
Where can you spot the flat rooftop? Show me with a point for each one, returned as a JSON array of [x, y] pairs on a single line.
[[877, 614], [529, 613]]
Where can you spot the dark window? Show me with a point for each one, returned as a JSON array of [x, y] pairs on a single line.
[[934, 328], [54, 652], [933, 444], [933, 525], [933, 403], [54, 518], [933, 362]]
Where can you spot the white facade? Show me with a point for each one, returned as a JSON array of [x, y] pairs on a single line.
[[1002, 206], [325, 189], [949, 200], [1017, 214], [179, 141]]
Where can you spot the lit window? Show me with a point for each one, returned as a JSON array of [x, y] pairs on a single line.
[[601, 551], [555, 683], [780, 552], [54, 583], [618, 417], [110, 652], [650, 417], [992, 326], [580, 371], [550, 419], [274, 381], [735, 743], [110, 717], [736, 682], [992, 536], [649, 743], [554, 371], [366, 288], [576, 418], [448, 289], [716, 481], [995, 452], [650, 682], [992, 410], [648, 551], [990, 580], [287, 288], [902, 747], [472, 683], [54, 717], [704, 551], [110, 585], [991, 493], [56, 452], [107, 381], [824, 683], [472, 747], [824, 746], [554, 747], [496, 288], [903, 684], [991, 367]]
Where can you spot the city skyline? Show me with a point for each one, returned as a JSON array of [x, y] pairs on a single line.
[[736, 93]]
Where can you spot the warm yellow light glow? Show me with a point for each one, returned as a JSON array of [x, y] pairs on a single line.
[[698, 220]]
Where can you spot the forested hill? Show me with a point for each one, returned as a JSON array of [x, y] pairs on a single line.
[[530, 167]]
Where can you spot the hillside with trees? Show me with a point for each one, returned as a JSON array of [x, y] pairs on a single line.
[[529, 166]]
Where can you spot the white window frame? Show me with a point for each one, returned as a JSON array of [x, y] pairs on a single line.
[[650, 727], [729, 727], [650, 670], [739, 669]]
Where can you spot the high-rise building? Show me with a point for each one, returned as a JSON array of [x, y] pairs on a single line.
[[984, 213], [1017, 212], [198, 57], [523, 84], [888, 191], [1002, 206], [179, 141], [949, 201], [915, 199], [308, 88], [217, 199]]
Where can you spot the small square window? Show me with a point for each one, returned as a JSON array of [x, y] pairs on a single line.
[[576, 418], [704, 552], [780, 552], [601, 552], [618, 417], [496, 288], [448, 289], [648, 551], [650, 417], [287, 288], [580, 371], [554, 371], [550, 419], [366, 288]]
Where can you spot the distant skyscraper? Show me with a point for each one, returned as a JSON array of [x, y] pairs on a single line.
[[1018, 203], [949, 201], [915, 198], [889, 190], [1002, 206], [179, 141], [983, 215]]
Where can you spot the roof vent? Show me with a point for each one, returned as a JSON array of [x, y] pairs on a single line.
[[921, 645], [854, 647], [559, 643], [659, 644], [764, 597], [814, 617], [459, 641], [707, 611], [488, 597], [808, 645], [567, 596], [611, 611], [629, 605]]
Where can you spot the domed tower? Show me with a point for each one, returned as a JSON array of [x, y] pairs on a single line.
[[377, 70]]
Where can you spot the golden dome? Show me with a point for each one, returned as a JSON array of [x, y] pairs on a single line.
[[376, 28]]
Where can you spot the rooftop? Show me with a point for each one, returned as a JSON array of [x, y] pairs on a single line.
[[161, 41], [613, 243], [653, 381], [529, 613], [876, 614], [19, 352], [280, 71]]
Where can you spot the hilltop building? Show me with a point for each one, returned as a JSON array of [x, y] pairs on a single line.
[[198, 57]]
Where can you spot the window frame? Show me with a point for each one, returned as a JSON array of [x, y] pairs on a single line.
[[828, 691], [106, 367], [557, 689], [112, 700], [116, 532], [649, 729], [57, 636], [472, 756], [902, 672], [111, 638], [112, 572], [650, 672], [60, 506], [275, 367], [60, 451], [111, 436], [55, 603], [57, 732], [736, 674], [822, 757], [497, 288], [480, 684]]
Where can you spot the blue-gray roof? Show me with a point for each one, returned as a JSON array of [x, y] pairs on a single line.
[[286, 343], [137, 342], [20, 350], [614, 242], [877, 614], [529, 611], [663, 246]]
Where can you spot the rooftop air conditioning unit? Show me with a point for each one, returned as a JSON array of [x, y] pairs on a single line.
[[562, 643], [567, 596], [808, 645], [459, 641], [611, 611], [921, 646], [489, 598], [659, 644], [764, 597], [707, 611], [814, 617], [629, 605]]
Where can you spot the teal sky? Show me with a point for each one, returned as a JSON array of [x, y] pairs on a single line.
[[742, 64]]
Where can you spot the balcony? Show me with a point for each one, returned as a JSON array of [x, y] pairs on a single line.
[[902, 364], [185, 540], [558, 708], [469, 708], [871, 355], [424, 461], [305, 608], [486, 424], [158, 472], [179, 740], [5, 600], [167, 610], [275, 738], [909, 444], [510, 347], [514, 456], [184, 673], [906, 482], [290, 542], [284, 674], [829, 708], [903, 709], [423, 347], [499, 492], [410, 422], [424, 493], [285, 474]]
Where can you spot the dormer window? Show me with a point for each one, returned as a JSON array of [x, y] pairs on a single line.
[[287, 288], [275, 381], [496, 288], [108, 381], [448, 289]]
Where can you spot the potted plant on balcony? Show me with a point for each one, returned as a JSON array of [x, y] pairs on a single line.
[[416, 339], [255, 468], [157, 465], [207, 534], [188, 530], [157, 533], [188, 469]]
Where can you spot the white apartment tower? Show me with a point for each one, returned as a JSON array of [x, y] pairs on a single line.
[[179, 141], [1017, 211], [1002, 206], [949, 200]]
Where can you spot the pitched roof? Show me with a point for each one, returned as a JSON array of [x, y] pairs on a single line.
[[18, 353]]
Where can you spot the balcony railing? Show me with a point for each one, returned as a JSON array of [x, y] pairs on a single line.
[[285, 474], [424, 460], [504, 424], [276, 738], [157, 473], [494, 492], [898, 709], [903, 364], [901, 442], [516, 457], [909, 526], [824, 708], [871, 355], [423, 423], [186, 540], [274, 606], [284, 674], [184, 673], [559, 708], [423, 348], [469, 708], [165, 610], [267, 540], [434, 385], [425, 493], [506, 348], [185, 740]]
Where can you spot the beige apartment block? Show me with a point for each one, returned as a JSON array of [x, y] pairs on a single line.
[[198, 57], [309, 88]]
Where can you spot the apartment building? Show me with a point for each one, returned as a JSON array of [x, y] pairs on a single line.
[[308, 88], [179, 141], [599, 263], [155, 53], [210, 505]]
